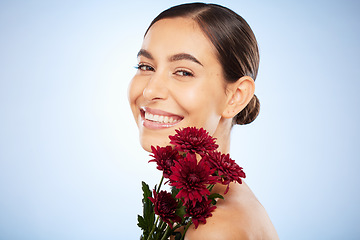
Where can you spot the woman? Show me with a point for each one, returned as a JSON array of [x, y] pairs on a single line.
[[197, 67]]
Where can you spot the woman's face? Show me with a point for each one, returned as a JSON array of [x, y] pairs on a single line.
[[179, 83]]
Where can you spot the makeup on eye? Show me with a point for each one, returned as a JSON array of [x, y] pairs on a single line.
[[179, 57], [173, 58], [183, 73], [180, 72], [144, 67]]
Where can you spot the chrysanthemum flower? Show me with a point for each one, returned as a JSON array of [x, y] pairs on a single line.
[[165, 207], [226, 168], [193, 140], [165, 157], [192, 178], [200, 211]]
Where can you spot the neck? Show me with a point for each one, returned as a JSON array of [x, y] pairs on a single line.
[[222, 135]]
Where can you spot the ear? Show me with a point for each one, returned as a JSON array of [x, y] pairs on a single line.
[[240, 94]]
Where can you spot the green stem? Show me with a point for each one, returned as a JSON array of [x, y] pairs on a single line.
[[161, 181], [162, 226], [157, 219], [177, 226], [186, 228], [165, 236], [153, 228]]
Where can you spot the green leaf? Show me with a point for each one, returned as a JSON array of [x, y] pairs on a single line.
[[147, 221], [146, 192], [213, 196], [141, 222], [180, 211], [174, 191]]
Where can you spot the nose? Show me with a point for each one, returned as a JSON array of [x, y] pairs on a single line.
[[156, 88]]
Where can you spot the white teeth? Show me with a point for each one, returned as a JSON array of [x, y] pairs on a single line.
[[159, 118]]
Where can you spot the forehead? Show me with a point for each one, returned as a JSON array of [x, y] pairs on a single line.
[[178, 35]]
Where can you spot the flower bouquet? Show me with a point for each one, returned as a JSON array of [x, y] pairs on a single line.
[[191, 166]]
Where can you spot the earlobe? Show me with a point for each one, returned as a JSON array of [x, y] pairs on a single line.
[[241, 92]]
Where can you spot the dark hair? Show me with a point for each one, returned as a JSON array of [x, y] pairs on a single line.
[[234, 41]]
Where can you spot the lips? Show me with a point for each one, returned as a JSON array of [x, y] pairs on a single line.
[[157, 119]]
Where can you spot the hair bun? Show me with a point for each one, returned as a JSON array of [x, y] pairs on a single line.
[[249, 113]]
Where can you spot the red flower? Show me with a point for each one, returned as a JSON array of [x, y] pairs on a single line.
[[193, 140], [226, 168], [200, 211], [165, 157], [165, 207], [192, 178]]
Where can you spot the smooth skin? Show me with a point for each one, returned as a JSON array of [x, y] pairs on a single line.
[[179, 75]]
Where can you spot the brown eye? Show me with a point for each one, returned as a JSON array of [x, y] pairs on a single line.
[[144, 67], [184, 73]]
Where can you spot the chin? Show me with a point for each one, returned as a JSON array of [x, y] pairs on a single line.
[[145, 146], [148, 141]]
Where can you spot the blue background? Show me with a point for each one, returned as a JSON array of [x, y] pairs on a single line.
[[70, 163]]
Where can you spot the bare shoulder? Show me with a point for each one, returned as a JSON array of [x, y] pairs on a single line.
[[239, 216]]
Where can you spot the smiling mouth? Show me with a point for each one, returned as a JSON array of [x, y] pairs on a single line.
[[154, 118]]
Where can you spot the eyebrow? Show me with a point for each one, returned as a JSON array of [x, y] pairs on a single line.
[[173, 58], [145, 53], [184, 56]]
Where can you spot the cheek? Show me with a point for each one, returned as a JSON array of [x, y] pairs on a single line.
[[134, 93], [207, 98], [135, 89], [201, 104], [190, 98]]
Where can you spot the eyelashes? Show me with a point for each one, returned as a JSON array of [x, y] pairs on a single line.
[[179, 72], [144, 67], [184, 73]]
